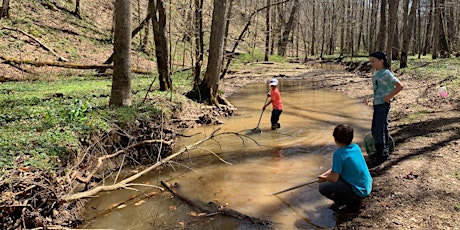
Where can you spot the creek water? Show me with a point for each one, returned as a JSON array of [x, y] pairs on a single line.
[[260, 164]]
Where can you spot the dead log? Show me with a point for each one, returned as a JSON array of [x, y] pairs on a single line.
[[68, 65], [215, 208], [100, 160], [124, 183], [61, 59]]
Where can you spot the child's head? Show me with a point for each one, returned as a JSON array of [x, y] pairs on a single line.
[[378, 61], [273, 82], [343, 134]]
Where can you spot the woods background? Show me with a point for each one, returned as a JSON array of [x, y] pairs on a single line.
[[182, 32]]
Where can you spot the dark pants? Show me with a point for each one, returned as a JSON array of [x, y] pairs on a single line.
[[275, 116], [341, 193], [380, 129]]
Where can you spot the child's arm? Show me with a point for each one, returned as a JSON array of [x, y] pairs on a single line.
[[268, 103], [328, 176], [396, 90]]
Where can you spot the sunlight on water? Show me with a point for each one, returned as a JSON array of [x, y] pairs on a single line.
[[264, 163]]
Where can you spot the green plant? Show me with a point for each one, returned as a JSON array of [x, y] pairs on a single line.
[[457, 207]]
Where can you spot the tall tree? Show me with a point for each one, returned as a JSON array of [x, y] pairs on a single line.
[[372, 25], [121, 82], [428, 31], [407, 36], [76, 12], [383, 26], [287, 29], [392, 22], [436, 29], [443, 43], [313, 29], [267, 31], [199, 45], [158, 12], [5, 9], [209, 86]]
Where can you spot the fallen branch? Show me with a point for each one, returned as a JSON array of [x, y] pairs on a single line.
[[100, 160], [92, 192], [68, 65], [215, 208], [62, 59]]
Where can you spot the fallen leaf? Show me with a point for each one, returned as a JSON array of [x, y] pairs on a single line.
[[192, 213], [122, 206], [410, 176]]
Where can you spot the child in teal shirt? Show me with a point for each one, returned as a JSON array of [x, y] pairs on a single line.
[[348, 182]]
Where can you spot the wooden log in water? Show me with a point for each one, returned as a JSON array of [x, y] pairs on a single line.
[[214, 208]]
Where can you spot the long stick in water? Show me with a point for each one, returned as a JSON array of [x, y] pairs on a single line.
[[297, 186]]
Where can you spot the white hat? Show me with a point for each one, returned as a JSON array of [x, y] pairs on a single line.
[[274, 82]]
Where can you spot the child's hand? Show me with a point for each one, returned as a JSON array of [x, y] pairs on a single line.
[[321, 179], [387, 98]]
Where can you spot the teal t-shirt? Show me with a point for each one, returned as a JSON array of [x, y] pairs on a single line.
[[384, 82], [349, 163]]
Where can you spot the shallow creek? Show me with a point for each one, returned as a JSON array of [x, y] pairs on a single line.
[[265, 163]]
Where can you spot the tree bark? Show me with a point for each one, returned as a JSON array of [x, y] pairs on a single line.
[[407, 36], [361, 25], [158, 12], [287, 29], [267, 32], [392, 22], [383, 26], [372, 26], [76, 12], [199, 45], [209, 85], [444, 49], [5, 9], [436, 32], [428, 31], [313, 28], [121, 83]]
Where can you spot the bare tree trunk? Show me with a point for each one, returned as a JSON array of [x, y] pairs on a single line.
[[145, 40], [443, 37], [407, 36], [372, 26], [313, 29], [76, 12], [5, 9], [158, 12], [383, 26], [121, 83], [333, 28], [267, 32], [209, 85], [436, 32], [342, 28], [361, 25], [429, 31], [323, 31], [287, 29], [393, 20], [451, 25], [227, 27], [199, 46]]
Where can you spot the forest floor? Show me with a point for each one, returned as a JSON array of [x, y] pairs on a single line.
[[419, 188]]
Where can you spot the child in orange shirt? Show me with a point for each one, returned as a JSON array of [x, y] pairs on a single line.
[[275, 100]]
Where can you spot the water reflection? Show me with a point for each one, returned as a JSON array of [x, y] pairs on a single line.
[[261, 164]]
